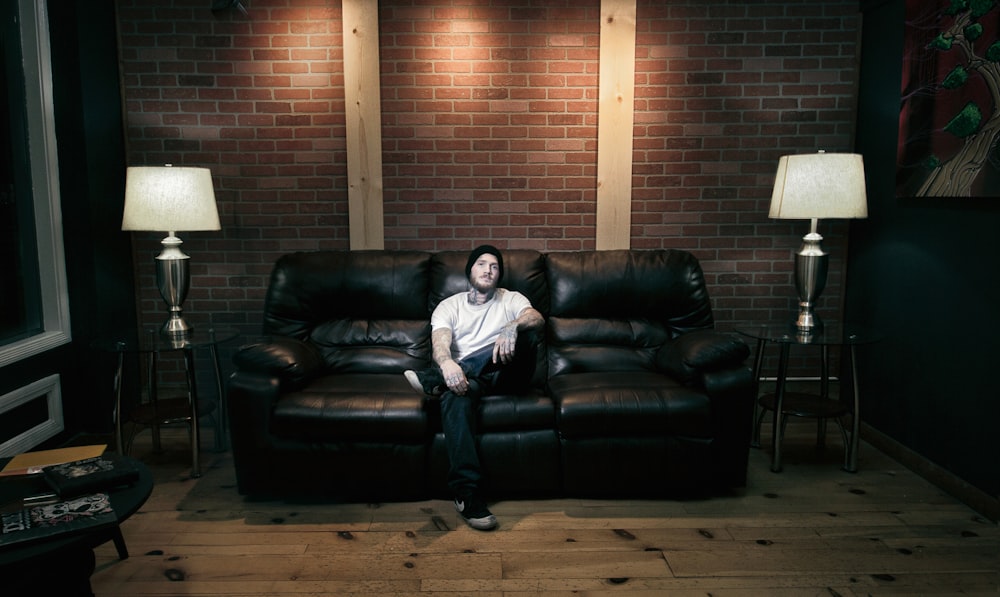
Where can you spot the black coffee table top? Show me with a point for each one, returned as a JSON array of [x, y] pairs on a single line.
[[125, 501]]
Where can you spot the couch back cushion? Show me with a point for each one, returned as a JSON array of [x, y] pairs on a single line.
[[365, 310], [611, 310]]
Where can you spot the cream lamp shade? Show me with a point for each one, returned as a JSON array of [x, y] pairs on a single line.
[[169, 199], [819, 185]]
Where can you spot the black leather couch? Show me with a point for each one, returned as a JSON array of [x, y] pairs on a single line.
[[633, 393]]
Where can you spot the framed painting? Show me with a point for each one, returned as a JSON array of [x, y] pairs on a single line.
[[949, 121]]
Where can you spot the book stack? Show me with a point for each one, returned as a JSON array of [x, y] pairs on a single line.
[[100, 473]]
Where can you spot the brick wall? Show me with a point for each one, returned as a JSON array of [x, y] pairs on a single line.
[[490, 132]]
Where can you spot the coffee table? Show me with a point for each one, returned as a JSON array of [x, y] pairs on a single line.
[[63, 565]]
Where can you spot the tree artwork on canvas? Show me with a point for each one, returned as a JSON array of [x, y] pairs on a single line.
[[949, 125]]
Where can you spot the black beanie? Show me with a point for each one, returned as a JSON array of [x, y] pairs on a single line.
[[477, 253]]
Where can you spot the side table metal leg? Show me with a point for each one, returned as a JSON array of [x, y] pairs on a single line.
[[778, 432], [221, 429], [193, 404], [824, 393], [851, 458], [119, 372], [151, 390], [757, 418]]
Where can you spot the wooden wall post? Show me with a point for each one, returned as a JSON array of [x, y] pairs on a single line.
[[616, 105], [363, 107]]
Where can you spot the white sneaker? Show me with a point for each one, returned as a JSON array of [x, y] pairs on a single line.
[[411, 376], [475, 513]]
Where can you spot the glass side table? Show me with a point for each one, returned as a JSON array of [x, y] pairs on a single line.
[[784, 404], [150, 343]]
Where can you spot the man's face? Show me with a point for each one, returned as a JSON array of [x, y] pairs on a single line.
[[484, 273]]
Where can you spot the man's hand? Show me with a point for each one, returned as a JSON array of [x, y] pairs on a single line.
[[503, 349], [454, 377]]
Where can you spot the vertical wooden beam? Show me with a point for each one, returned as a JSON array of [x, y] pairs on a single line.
[[363, 108], [616, 105]]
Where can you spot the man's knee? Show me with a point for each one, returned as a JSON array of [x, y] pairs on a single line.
[[451, 401]]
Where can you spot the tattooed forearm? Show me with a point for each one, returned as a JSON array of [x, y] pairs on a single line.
[[441, 345]]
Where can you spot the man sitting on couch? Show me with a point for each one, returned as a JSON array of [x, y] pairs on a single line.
[[473, 337]]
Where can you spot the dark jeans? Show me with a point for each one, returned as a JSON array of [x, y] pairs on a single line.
[[458, 413]]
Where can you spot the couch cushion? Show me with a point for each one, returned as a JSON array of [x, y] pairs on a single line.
[[352, 407], [506, 412], [364, 310], [579, 345], [373, 345], [612, 310], [307, 289], [665, 286], [624, 403]]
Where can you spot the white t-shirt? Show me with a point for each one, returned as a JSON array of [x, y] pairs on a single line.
[[476, 326]]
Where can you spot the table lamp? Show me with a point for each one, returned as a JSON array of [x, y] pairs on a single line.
[[164, 198], [810, 187]]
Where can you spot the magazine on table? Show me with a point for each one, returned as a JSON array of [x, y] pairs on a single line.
[[33, 523]]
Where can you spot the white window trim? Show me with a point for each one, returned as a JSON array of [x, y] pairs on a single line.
[[48, 388], [45, 186]]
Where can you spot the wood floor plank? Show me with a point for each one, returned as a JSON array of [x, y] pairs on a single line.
[[295, 587], [599, 564], [341, 567], [772, 559]]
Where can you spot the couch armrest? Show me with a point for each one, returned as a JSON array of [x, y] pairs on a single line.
[[714, 361], [693, 354], [250, 398], [290, 360], [731, 393]]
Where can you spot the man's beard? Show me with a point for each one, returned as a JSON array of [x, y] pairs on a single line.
[[487, 287]]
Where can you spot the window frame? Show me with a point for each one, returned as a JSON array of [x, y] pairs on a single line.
[[44, 172]]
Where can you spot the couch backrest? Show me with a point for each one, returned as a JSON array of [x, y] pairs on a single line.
[[365, 310], [605, 310], [611, 310]]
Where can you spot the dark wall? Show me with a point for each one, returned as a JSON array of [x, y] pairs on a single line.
[[90, 147], [924, 272], [89, 129]]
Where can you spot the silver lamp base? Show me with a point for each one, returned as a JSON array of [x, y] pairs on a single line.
[[811, 264], [173, 279]]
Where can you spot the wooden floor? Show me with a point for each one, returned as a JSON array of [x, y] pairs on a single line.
[[810, 530]]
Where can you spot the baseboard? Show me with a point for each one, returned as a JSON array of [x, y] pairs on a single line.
[[975, 498]]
